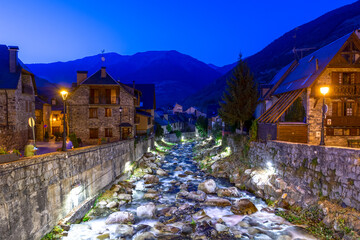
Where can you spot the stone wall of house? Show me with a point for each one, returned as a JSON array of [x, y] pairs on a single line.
[[80, 123], [305, 172], [14, 115], [314, 110], [37, 192]]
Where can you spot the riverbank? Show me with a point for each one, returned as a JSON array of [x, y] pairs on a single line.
[[167, 196], [250, 167]]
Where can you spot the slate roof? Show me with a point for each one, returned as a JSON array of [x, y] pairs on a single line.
[[147, 95], [10, 80], [96, 79], [304, 73], [146, 114]]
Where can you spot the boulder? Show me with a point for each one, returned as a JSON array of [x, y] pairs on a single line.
[[112, 204], [149, 179], [146, 211], [209, 186], [243, 207], [152, 196], [228, 192], [103, 236], [123, 230], [161, 172], [179, 168], [145, 236], [218, 202], [124, 197], [120, 217], [161, 228], [197, 196], [221, 227], [188, 172]]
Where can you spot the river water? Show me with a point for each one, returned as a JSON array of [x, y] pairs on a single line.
[[263, 224]]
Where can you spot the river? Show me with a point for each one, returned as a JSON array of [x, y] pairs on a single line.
[[184, 218]]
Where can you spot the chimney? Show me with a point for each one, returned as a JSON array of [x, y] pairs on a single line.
[[80, 77], [103, 72], [13, 58]]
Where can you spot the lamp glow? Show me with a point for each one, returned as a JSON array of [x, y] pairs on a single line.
[[64, 94], [324, 90]]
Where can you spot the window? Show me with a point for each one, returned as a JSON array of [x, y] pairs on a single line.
[[107, 112], [125, 111], [94, 96], [53, 101], [149, 120], [348, 109], [113, 96], [93, 112], [26, 106], [108, 96], [108, 132], [94, 133]]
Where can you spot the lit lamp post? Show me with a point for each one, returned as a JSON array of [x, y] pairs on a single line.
[[120, 110], [64, 95], [324, 91]]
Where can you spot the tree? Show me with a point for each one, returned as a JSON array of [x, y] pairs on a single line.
[[296, 113], [240, 97], [159, 131], [202, 125]]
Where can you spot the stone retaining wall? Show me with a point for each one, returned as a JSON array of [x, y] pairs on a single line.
[[174, 139], [316, 171], [37, 192]]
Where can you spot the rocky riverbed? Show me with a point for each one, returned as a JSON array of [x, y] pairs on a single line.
[[169, 197]]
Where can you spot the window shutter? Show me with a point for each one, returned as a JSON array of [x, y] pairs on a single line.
[[335, 78], [357, 78], [335, 109]]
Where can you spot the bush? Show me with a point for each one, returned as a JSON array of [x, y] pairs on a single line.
[[74, 140], [178, 134], [159, 131], [202, 125], [169, 128], [253, 131]]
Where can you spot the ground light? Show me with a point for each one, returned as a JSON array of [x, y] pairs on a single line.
[[74, 196]]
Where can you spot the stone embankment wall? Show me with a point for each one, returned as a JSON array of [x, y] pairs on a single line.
[[174, 139], [307, 172], [37, 192]]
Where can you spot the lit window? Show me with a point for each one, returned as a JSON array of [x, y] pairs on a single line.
[[93, 113], [107, 112]]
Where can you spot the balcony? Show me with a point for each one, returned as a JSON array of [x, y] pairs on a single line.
[[348, 121], [352, 90], [104, 100]]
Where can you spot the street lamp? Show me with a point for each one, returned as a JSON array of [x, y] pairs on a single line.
[[324, 91], [64, 95], [120, 110]]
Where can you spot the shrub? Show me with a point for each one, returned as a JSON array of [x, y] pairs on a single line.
[[178, 134], [169, 128], [159, 131], [74, 140]]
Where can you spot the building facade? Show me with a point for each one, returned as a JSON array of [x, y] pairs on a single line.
[[337, 66], [100, 108], [17, 99]]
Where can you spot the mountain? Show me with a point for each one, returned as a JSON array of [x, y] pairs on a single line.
[[174, 74], [272, 58]]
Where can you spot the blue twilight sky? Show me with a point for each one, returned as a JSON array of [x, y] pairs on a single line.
[[211, 31]]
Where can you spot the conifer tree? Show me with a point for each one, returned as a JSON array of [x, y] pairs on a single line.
[[240, 97]]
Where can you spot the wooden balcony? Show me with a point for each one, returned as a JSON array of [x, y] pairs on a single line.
[[348, 121], [104, 100], [352, 90]]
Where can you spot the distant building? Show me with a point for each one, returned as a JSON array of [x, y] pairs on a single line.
[[49, 118], [17, 99], [144, 120], [101, 108], [336, 65], [213, 116], [194, 111], [177, 108]]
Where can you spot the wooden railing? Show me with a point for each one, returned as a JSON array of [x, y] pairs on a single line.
[[348, 121], [104, 100], [346, 90]]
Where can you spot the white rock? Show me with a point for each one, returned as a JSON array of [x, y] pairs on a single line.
[[209, 186], [120, 217], [112, 204], [146, 211]]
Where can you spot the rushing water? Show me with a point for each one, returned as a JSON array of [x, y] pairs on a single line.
[[265, 222]]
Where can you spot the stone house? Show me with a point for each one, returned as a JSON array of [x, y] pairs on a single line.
[[336, 65], [195, 111], [101, 108], [17, 99], [49, 117], [145, 111]]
